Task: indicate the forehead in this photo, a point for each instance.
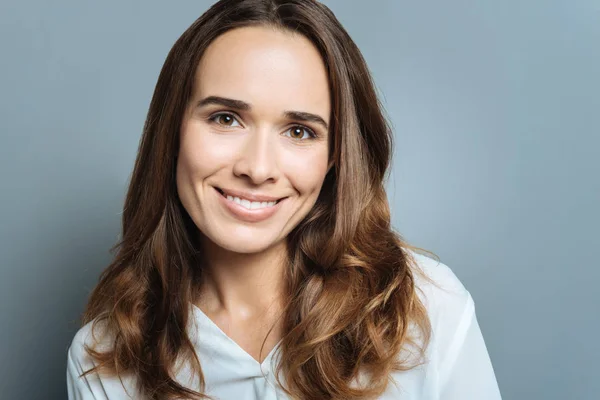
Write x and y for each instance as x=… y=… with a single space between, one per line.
x=266 y=67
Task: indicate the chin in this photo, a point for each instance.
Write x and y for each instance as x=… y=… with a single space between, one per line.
x=244 y=242
x=245 y=247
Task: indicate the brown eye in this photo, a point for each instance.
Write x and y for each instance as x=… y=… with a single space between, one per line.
x=225 y=119
x=299 y=132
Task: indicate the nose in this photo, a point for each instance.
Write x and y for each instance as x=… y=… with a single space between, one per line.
x=257 y=159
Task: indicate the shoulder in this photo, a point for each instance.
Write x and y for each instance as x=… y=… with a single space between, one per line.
x=438 y=285
x=96 y=384
x=460 y=364
x=93 y=335
x=449 y=304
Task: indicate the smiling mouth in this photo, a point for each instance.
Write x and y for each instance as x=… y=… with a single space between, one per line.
x=239 y=199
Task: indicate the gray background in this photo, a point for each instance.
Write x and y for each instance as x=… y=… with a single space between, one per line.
x=495 y=105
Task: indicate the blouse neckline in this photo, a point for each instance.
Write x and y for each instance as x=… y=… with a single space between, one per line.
x=231 y=345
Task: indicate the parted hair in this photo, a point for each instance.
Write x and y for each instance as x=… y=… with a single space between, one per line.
x=351 y=298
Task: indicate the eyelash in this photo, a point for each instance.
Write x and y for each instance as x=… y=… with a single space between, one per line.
x=214 y=117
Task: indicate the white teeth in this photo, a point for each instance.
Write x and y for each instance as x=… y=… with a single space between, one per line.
x=251 y=205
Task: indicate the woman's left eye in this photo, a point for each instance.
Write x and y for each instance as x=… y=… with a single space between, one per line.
x=299 y=132
x=225 y=119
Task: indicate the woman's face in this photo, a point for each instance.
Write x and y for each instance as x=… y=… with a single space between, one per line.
x=254 y=140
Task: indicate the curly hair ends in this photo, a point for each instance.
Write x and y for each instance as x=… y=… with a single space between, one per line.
x=352 y=306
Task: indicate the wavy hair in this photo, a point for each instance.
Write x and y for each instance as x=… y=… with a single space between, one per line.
x=350 y=283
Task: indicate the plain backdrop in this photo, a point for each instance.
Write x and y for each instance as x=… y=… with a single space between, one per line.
x=496 y=111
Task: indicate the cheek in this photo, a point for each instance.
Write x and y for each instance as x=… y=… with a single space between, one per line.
x=202 y=153
x=306 y=169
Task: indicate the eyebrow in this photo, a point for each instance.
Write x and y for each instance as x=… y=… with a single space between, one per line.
x=243 y=106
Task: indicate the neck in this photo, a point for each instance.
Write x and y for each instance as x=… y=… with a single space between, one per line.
x=242 y=286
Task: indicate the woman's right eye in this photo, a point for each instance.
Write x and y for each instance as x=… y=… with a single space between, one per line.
x=225 y=119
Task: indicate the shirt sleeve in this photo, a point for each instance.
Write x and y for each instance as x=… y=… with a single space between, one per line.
x=78 y=388
x=95 y=385
x=467 y=371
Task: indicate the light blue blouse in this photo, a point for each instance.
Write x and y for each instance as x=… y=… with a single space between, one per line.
x=458 y=367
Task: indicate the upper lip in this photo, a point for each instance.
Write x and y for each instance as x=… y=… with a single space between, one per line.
x=248 y=195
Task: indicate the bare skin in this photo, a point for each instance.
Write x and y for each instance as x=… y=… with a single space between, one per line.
x=256 y=148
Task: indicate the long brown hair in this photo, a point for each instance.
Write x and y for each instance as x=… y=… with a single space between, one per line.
x=351 y=293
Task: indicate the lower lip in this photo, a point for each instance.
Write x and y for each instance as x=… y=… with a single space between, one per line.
x=242 y=213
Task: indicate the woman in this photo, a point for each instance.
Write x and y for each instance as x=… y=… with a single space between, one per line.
x=257 y=259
